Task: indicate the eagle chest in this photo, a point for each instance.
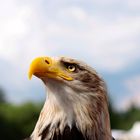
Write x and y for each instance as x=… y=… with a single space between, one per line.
x=68 y=134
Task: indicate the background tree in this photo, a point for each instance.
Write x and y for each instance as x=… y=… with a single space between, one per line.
x=2 y=96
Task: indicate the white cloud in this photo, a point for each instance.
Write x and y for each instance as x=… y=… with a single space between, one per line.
x=28 y=31
x=12 y=27
x=103 y=40
x=75 y=13
x=133 y=93
x=134 y=5
x=133 y=85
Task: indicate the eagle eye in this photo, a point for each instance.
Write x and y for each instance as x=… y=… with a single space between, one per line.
x=71 y=67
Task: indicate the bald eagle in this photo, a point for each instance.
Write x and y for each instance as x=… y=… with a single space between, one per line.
x=76 y=105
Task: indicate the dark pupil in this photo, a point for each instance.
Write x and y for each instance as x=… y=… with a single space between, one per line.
x=71 y=67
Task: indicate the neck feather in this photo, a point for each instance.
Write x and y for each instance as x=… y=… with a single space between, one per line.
x=65 y=107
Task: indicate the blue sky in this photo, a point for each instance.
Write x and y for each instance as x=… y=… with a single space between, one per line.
x=104 y=34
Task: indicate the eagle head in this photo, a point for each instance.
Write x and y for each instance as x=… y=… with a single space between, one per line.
x=76 y=105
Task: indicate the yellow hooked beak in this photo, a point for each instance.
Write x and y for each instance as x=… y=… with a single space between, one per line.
x=47 y=67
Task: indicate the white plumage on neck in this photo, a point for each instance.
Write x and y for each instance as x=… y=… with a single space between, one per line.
x=62 y=103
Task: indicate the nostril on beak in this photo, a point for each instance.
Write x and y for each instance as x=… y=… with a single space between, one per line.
x=47 y=61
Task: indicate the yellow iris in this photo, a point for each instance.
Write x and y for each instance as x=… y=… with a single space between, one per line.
x=71 y=68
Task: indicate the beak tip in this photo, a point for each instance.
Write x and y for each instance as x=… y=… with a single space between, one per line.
x=30 y=76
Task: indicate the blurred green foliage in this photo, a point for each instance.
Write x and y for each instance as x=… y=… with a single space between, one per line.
x=2 y=97
x=124 y=120
x=18 y=121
